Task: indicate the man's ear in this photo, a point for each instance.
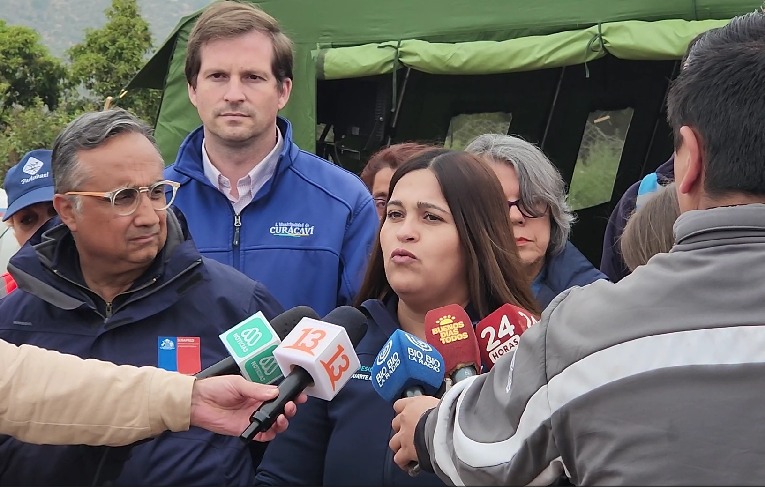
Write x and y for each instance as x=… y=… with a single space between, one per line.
x=64 y=206
x=692 y=160
x=192 y=94
x=284 y=93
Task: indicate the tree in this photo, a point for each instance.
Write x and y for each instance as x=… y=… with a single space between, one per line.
x=34 y=126
x=28 y=72
x=110 y=56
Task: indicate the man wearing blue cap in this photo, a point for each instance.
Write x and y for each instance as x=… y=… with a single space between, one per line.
x=29 y=186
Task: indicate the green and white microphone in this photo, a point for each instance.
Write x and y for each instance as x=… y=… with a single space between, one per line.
x=251 y=345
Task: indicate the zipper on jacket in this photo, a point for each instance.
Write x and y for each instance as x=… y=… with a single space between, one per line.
x=237 y=226
x=108 y=309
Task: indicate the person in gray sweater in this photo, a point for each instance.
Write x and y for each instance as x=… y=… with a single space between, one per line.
x=657 y=379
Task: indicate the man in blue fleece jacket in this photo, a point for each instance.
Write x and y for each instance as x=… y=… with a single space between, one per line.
x=253 y=200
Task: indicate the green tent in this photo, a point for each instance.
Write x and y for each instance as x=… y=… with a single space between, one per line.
x=584 y=79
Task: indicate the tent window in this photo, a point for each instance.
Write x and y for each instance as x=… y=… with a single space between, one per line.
x=598 y=160
x=466 y=126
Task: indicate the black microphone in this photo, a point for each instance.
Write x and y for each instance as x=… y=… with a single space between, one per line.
x=318 y=357
x=251 y=344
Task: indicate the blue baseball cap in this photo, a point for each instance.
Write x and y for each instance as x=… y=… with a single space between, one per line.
x=29 y=182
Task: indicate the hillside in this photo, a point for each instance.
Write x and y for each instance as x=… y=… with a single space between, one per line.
x=62 y=23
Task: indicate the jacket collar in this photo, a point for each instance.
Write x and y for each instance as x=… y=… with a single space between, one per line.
x=722 y=224
x=189 y=160
x=49 y=268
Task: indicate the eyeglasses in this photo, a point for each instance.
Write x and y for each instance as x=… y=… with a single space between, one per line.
x=126 y=200
x=536 y=211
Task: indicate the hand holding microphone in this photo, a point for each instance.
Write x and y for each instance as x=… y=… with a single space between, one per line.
x=407 y=367
x=316 y=356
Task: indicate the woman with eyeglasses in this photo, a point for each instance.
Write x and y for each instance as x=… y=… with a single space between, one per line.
x=438 y=244
x=540 y=215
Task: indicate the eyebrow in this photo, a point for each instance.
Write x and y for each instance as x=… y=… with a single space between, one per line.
x=421 y=205
x=246 y=71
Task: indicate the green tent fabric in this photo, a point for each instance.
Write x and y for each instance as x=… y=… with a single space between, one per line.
x=337 y=39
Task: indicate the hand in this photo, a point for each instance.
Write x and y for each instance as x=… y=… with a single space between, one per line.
x=224 y=405
x=409 y=411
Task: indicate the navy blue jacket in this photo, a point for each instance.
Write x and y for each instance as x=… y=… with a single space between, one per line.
x=181 y=294
x=306 y=235
x=611 y=261
x=563 y=271
x=344 y=441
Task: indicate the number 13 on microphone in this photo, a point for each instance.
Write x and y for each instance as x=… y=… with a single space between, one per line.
x=322 y=349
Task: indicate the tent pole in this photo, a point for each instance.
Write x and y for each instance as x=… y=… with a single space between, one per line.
x=397 y=109
x=552 y=107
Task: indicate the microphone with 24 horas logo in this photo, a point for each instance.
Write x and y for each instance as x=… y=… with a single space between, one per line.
x=251 y=345
x=317 y=357
x=500 y=332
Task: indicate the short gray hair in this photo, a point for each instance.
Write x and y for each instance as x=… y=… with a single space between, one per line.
x=538 y=178
x=88 y=131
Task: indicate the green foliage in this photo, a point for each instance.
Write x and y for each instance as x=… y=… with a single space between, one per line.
x=32 y=127
x=595 y=174
x=39 y=96
x=27 y=70
x=110 y=56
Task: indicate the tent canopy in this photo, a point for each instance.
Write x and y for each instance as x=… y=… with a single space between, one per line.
x=344 y=38
x=559 y=73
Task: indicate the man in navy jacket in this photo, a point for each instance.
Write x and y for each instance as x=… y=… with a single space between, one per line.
x=120 y=280
x=253 y=199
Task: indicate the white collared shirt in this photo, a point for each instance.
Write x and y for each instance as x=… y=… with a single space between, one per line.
x=249 y=185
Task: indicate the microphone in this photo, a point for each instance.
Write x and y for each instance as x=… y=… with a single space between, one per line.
x=405 y=367
x=317 y=357
x=251 y=345
x=500 y=332
x=449 y=330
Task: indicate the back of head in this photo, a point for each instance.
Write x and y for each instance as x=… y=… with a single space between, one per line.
x=226 y=19
x=649 y=231
x=719 y=96
x=29 y=182
x=479 y=209
x=392 y=156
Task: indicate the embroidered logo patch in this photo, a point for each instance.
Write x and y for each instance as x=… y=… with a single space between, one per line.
x=179 y=354
x=291 y=229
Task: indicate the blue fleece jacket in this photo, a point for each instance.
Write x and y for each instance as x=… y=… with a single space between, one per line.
x=568 y=269
x=180 y=295
x=306 y=235
x=344 y=441
x=611 y=261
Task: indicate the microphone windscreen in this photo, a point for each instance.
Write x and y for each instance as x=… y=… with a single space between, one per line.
x=285 y=322
x=450 y=331
x=500 y=332
x=350 y=318
x=406 y=364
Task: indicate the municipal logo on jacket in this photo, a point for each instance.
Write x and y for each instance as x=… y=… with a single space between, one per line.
x=179 y=354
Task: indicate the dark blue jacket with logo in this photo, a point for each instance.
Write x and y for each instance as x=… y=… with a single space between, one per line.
x=306 y=235
x=180 y=295
x=344 y=441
